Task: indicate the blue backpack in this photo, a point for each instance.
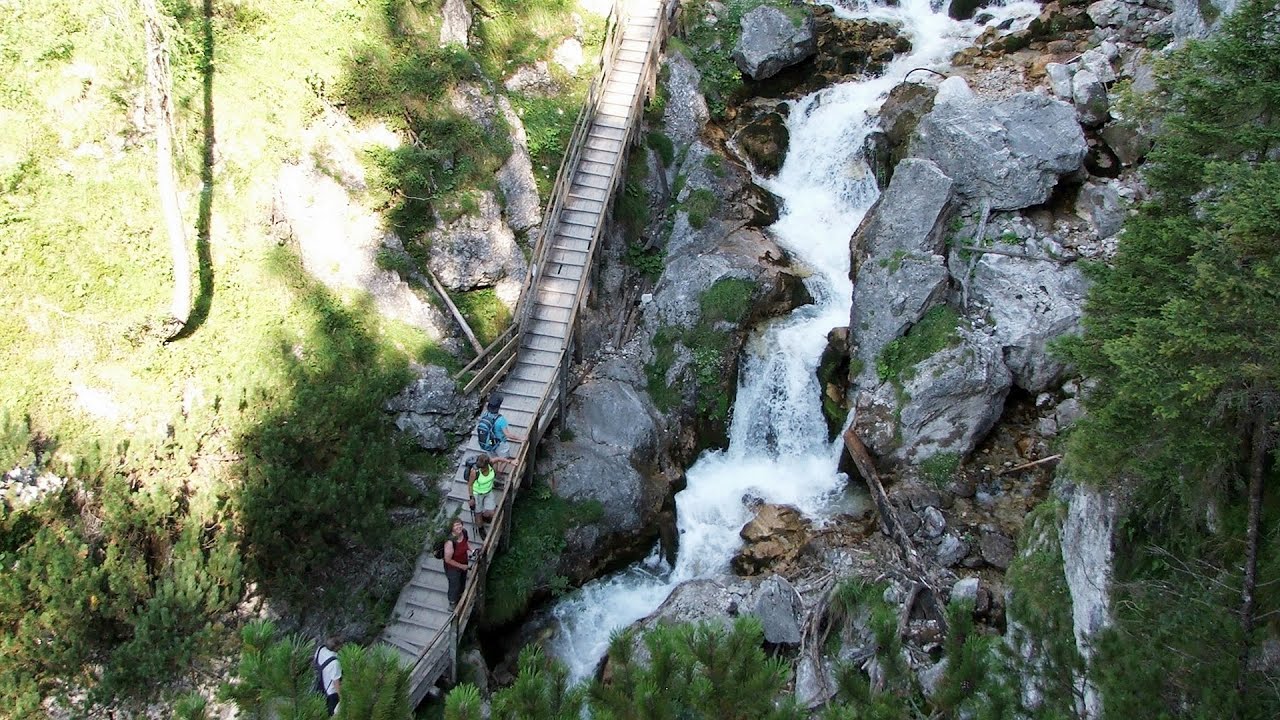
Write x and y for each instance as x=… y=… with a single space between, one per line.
x=485 y=435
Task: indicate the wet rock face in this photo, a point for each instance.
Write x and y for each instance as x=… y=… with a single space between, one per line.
x=764 y=142
x=773 y=39
x=899 y=115
x=856 y=47
x=1011 y=152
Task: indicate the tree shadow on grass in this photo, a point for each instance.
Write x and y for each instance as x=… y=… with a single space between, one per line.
x=203 y=302
x=322 y=461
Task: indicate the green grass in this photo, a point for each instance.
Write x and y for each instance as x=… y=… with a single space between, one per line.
x=728 y=300
x=484 y=312
x=662 y=144
x=632 y=208
x=548 y=125
x=940 y=469
x=934 y=332
x=700 y=204
x=255 y=449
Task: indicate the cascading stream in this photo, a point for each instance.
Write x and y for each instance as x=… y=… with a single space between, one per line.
x=778 y=449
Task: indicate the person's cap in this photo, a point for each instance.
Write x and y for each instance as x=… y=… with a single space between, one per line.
x=495 y=401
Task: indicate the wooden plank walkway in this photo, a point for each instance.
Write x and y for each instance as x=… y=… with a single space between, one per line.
x=422 y=628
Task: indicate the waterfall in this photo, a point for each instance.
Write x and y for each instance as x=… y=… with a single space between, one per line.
x=826 y=187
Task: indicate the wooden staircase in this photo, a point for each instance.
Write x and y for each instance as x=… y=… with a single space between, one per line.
x=528 y=364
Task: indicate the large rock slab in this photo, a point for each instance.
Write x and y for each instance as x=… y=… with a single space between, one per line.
x=455 y=22
x=773 y=39
x=1030 y=302
x=953 y=398
x=521 y=203
x=1010 y=151
x=686 y=111
x=898 y=268
x=432 y=411
x=1087 y=542
x=780 y=610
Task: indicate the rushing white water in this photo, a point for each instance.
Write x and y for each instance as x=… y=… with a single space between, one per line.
x=778 y=449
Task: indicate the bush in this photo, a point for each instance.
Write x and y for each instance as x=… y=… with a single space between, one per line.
x=700 y=204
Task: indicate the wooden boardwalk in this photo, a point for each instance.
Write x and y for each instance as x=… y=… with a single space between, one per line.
x=528 y=365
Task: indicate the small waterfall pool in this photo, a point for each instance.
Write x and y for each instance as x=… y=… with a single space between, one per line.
x=826 y=187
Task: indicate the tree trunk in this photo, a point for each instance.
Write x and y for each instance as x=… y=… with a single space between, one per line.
x=160 y=110
x=1257 y=461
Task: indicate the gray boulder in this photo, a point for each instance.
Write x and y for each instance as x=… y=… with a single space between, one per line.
x=773 y=39
x=1030 y=302
x=965 y=590
x=455 y=22
x=996 y=548
x=934 y=522
x=686 y=111
x=899 y=271
x=1059 y=80
x=1103 y=205
x=431 y=410
x=521 y=204
x=1199 y=18
x=951 y=402
x=780 y=611
x=1090 y=97
x=478 y=251
x=951 y=550
x=931 y=678
x=1109 y=13
x=712 y=599
x=1010 y=151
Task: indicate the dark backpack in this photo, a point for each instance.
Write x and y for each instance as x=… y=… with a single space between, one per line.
x=485 y=434
x=315 y=662
x=440 y=547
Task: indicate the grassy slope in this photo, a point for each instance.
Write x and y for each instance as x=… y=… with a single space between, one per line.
x=273 y=402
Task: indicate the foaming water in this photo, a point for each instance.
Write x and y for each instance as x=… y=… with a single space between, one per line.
x=778 y=449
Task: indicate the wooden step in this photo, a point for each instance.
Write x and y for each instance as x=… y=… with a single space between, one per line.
x=559 y=285
x=565 y=271
x=546 y=296
x=590 y=193
x=398 y=642
x=599 y=182
x=632 y=55
x=542 y=342
x=607 y=144
x=569 y=257
x=607 y=132
x=567 y=243
x=549 y=328
x=604 y=170
x=550 y=312
x=577 y=232
x=536 y=373
x=577 y=217
x=529 y=388
x=614 y=109
x=607 y=122
x=541 y=358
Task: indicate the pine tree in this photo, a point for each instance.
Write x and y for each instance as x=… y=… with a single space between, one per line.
x=1181 y=334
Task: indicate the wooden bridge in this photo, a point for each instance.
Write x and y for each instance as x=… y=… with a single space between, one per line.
x=529 y=363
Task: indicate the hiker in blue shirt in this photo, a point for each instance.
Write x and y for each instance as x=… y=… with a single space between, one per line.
x=493 y=434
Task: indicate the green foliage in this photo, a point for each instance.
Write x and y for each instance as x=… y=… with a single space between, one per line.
x=463 y=703
x=934 y=332
x=632 y=208
x=700 y=204
x=375 y=684
x=525 y=569
x=728 y=300
x=714 y=163
x=485 y=313
x=938 y=470
x=1179 y=333
x=548 y=124
x=662 y=144
x=649 y=262
x=541 y=690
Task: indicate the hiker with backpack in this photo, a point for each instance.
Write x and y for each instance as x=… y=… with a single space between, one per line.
x=493 y=435
x=456 y=556
x=483 y=500
x=328 y=672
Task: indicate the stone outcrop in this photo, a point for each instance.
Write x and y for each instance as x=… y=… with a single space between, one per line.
x=1029 y=303
x=1011 y=152
x=610 y=460
x=771 y=540
x=478 y=251
x=316 y=208
x=764 y=142
x=773 y=39
x=898 y=268
x=455 y=22
x=431 y=411
x=780 y=610
x=953 y=398
x=1087 y=543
